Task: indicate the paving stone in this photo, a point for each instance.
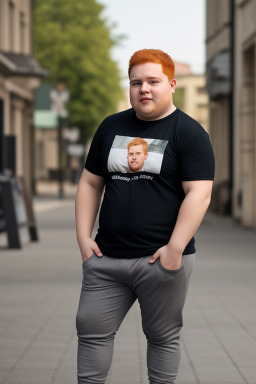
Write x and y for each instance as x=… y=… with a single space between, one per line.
x=39 y=293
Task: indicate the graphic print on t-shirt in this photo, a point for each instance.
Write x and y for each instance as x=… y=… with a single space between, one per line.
x=136 y=154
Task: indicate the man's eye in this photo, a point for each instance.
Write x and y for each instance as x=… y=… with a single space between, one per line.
x=137 y=83
x=154 y=81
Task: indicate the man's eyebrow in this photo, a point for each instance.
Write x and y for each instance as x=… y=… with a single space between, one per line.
x=150 y=77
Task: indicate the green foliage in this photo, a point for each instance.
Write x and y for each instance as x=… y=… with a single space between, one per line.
x=178 y=98
x=74 y=43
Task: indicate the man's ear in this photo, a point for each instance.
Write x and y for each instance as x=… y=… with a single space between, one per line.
x=173 y=84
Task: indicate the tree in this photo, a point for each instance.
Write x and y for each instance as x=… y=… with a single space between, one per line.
x=178 y=98
x=74 y=43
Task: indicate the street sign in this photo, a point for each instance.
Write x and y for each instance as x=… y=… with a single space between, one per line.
x=46 y=119
x=59 y=97
x=71 y=134
x=75 y=150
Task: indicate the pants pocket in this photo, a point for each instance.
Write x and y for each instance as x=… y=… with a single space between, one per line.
x=170 y=271
x=88 y=260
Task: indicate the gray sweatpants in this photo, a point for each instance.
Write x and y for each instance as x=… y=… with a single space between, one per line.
x=109 y=289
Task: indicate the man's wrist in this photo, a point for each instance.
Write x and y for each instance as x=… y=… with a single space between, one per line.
x=83 y=236
x=83 y=241
x=175 y=248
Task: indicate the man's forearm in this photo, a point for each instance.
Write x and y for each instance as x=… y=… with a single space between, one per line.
x=88 y=200
x=191 y=213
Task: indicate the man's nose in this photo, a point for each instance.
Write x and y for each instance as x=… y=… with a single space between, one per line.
x=144 y=87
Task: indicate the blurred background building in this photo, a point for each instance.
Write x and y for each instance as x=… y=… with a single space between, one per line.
x=193 y=94
x=230 y=49
x=46 y=136
x=20 y=75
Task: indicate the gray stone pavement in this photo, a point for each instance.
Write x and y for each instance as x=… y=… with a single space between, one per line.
x=40 y=288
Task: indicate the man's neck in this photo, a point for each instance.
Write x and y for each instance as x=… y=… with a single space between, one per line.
x=169 y=112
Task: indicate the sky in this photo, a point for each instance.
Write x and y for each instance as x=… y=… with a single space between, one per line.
x=175 y=26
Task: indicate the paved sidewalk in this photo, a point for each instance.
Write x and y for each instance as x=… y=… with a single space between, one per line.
x=39 y=293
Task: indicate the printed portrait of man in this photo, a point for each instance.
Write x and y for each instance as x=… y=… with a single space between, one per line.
x=137 y=154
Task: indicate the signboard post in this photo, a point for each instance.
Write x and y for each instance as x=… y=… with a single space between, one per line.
x=59 y=97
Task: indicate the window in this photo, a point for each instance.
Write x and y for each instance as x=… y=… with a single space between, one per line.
x=11 y=25
x=201 y=90
x=22 y=32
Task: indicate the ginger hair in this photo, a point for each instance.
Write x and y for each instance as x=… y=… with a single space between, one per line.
x=153 y=56
x=138 y=141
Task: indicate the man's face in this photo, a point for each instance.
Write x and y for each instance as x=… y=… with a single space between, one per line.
x=136 y=157
x=151 y=91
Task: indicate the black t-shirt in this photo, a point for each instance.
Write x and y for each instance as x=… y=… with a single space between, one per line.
x=143 y=192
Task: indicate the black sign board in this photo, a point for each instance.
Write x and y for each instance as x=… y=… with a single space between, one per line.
x=15 y=210
x=9 y=216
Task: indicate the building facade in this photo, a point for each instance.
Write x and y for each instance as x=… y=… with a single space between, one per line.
x=231 y=77
x=20 y=75
x=194 y=97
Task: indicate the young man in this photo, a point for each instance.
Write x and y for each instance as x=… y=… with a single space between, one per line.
x=145 y=247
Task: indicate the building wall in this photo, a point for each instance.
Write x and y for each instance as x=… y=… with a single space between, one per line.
x=15 y=26
x=217 y=26
x=46 y=154
x=219 y=118
x=244 y=192
x=17 y=92
x=218 y=35
x=243 y=145
x=196 y=102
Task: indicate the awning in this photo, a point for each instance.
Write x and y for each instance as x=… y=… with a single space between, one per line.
x=20 y=64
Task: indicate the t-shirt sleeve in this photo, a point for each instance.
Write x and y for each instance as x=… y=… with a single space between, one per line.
x=197 y=159
x=94 y=163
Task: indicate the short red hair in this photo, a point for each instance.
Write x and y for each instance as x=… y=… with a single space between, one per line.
x=153 y=56
x=138 y=141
